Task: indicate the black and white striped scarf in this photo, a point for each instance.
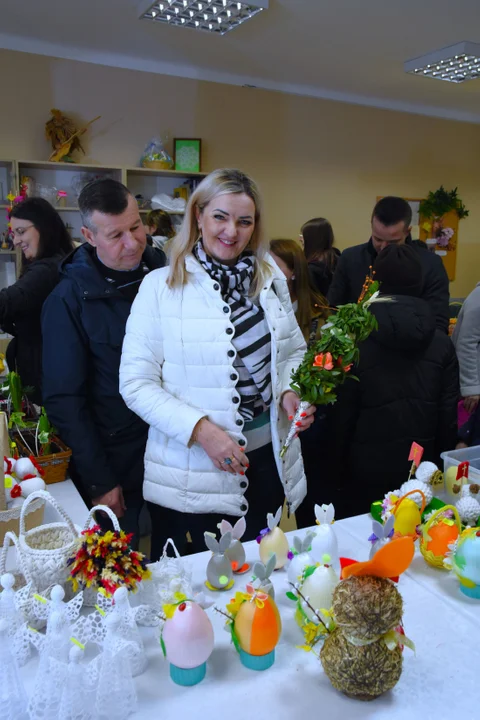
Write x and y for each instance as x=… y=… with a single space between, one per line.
x=252 y=336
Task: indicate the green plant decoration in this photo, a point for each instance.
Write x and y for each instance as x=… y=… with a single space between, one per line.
x=441 y=202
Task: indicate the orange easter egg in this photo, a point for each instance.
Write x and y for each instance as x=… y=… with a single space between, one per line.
x=258 y=626
x=442 y=535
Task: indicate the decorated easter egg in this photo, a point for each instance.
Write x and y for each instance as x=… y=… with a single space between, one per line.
x=24 y=466
x=318 y=588
x=439 y=534
x=32 y=485
x=325 y=543
x=407 y=518
x=188 y=636
x=258 y=626
x=466 y=562
x=274 y=542
x=451 y=481
x=297 y=566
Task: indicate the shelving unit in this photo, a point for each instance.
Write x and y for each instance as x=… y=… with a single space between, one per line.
x=70 y=177
x=10 y=260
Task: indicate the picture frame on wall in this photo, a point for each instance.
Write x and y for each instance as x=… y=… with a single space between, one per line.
x=187 y=154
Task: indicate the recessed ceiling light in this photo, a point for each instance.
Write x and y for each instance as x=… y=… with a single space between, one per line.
x=192 y=13
x=456 y=63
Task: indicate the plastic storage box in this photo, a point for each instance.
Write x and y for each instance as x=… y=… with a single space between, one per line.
x=470 y=454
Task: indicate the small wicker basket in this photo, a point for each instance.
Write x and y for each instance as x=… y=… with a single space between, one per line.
x=54 y=465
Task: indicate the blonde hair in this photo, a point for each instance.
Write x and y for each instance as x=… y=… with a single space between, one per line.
x=219 y=182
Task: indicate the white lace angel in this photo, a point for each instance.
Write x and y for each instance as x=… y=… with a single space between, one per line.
x=113 y=674
x=77 y=680
x=53 y=647
x=13 y=699
x=12 y=605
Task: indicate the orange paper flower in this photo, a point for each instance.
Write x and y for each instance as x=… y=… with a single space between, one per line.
x=324 y=360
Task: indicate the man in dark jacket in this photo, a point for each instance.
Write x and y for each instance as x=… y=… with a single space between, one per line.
x=408 y=389
x=391 y=220
x=83 y=329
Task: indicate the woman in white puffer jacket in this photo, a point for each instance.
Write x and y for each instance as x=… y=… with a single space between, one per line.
x=210 y=346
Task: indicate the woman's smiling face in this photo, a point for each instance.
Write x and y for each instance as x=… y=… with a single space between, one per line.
x=227 y=224
x=25 y=236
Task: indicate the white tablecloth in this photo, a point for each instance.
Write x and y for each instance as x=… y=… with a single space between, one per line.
x=439 y=682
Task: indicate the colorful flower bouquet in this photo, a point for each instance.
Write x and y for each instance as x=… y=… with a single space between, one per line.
x=327 y=364
x=104 y=561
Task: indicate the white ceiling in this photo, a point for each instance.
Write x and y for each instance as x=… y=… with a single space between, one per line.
x=348 y=50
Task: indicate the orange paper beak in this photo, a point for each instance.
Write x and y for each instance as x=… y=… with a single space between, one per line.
x=389 y=562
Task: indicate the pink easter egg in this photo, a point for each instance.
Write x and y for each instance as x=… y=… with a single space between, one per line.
x=188 y=636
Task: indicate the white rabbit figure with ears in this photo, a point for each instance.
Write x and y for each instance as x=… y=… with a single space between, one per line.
x=263 y=572
x=273 y=540
x=236 y=552
x=219 y=569
x=302 y=558
x=381 y=534
x=325 y=541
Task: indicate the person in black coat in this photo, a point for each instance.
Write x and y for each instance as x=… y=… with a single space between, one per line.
x=84 y=323
x=44 y=240
x=391 y=220
x=322 y=256
x=408 y=389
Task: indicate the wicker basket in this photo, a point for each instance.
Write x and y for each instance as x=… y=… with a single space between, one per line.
x=54 y=465
x=157 y=164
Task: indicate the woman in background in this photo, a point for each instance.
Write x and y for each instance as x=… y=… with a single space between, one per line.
x=311 y=312
x=39 y=231
x=308 y=304
x=159 y=226
x=322 y=256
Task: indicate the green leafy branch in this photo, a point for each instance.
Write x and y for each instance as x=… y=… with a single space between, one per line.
x=317 y=383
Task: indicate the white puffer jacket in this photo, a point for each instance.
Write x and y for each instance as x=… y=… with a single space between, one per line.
x=177 y=367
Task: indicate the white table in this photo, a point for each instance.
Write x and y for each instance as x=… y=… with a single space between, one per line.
x=439 y=682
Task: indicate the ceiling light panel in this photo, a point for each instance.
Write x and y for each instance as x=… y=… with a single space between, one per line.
x=457 y=63
x=214 y=16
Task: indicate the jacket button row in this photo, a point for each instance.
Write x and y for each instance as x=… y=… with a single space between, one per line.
x=241 y=441
x=236 y=400
x=243 y=484
x=216 y=286
x=233 y=377
x=229 y=331
x=239 y=422
x=243 y=508
x=231 y=353
x=226 y=309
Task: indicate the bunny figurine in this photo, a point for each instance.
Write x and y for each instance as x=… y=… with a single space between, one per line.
x=219 y=569
x=301 y=557
x=273 y=540
x=381 y=534
x=325 y=541
x=235 y=553
x=263 y=572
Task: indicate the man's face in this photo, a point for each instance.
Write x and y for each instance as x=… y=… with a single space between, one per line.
x=120 y=240
x=391 y=235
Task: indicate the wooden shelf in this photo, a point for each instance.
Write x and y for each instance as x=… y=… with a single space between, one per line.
x=47 y=165
x=58 y=208
x=8 y=252
x=139 y=171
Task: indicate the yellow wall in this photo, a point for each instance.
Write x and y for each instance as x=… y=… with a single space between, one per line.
x=311 y=157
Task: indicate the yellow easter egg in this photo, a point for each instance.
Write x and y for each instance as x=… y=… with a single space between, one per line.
x=407 y=517
x=258 y=626
x=274 y=542
x=451 y=480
